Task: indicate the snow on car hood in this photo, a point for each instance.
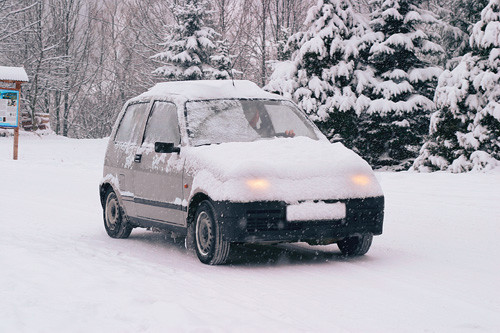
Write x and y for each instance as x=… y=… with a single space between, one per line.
x=282 y=169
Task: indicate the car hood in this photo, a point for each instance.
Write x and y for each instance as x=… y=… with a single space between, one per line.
x=282 y=169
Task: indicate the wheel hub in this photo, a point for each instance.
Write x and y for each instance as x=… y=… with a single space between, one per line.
x=204 y=233
x=111 y=212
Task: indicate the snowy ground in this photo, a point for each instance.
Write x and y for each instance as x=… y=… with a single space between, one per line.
x=435 y=268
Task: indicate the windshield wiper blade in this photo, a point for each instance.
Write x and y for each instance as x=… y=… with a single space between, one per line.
x=208 y=144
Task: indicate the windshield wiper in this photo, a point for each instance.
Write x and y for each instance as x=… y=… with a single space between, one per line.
x=208 y=144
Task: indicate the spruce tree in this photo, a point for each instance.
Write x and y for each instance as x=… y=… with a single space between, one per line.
x=453 y=30
x=321 y=76
x=393 y=127
x=465 y=131
x=192 y=51
x=221 y=61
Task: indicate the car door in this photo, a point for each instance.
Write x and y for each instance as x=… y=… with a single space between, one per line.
x=158 y=183
x=121 y=150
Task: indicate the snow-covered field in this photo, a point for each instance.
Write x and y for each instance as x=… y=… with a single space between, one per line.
x=435 y=268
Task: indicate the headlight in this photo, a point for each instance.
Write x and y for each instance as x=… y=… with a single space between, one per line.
x=258 y=184
x=361 y=180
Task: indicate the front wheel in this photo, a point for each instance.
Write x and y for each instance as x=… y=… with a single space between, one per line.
x=115 y=222
x=355 y=245
x=210 y=247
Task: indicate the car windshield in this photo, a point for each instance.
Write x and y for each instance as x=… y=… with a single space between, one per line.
x=218 y=121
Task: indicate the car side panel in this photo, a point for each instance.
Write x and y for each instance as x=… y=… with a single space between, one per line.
x=158 y=188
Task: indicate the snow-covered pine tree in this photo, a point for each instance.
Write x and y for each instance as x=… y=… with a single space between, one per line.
x=191 y=50
x=393 y=126
x=321 y=74
x=465 y=131
x=454 y=27
x=221 y=61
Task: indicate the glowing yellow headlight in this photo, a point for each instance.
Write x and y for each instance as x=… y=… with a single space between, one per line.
x=258 y=184
x=360 y=180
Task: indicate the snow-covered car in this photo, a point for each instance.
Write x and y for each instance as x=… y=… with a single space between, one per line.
x=223 y=162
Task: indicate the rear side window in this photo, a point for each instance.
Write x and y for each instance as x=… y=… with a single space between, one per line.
x=162 y=125
x=130 y=125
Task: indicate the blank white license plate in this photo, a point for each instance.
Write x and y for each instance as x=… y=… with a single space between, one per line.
x=315 y=211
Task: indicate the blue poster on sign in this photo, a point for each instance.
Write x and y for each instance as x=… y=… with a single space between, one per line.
x=9 y=108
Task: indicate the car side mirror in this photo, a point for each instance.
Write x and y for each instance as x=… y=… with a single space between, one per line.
x=166 y=147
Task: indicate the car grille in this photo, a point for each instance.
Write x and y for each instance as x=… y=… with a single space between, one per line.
x=359 y=212
x=265 y=219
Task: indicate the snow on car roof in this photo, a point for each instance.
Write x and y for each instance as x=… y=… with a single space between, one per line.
x=209 y=89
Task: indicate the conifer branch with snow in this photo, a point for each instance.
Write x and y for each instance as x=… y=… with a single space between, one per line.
x=192 y=50
x=401 y=84
x=369 y=84
x=465 y=131
x=321 y=76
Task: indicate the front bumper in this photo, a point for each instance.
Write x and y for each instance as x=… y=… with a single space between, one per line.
x=266 y=221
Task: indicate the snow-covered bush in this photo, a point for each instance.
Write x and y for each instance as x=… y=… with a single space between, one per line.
x=465 y=131
x=192 y=49
x=321 y=76
x=401 y=85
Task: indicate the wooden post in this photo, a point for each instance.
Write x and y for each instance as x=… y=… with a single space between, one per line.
x=16 y=129
x=16 y=141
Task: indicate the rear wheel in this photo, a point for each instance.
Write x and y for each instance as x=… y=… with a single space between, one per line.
x=115 y=223
x=355 y=245
x=210 y=247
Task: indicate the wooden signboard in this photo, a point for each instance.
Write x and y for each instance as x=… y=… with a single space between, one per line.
x=11 y=79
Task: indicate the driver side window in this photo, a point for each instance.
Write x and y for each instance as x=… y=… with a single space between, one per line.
x=162 y=125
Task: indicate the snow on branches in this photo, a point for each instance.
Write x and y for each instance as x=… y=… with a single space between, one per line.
x=402 y=83
x=321 y=74
x=465 y=131
x=369 y=84
x=192 y=51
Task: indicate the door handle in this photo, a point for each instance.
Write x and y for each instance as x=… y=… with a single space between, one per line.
x=138 y=158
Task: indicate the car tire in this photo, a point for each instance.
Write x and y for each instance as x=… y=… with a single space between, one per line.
x=210 y=248
x=115 y=222
x=355 y=245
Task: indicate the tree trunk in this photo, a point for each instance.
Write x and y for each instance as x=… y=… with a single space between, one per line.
x=66 y=114
x=263 y=43
x=57 y=102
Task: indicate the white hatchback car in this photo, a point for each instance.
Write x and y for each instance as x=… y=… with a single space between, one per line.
x=225 y=162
